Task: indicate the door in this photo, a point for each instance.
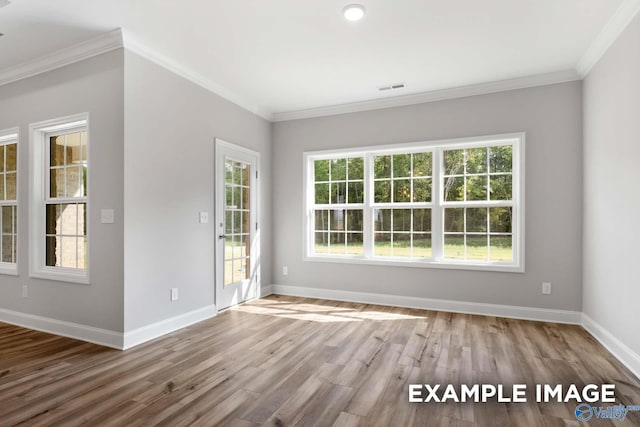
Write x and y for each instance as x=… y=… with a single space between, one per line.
x=238 y=240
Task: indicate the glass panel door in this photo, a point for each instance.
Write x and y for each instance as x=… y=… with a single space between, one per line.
x=238 y=237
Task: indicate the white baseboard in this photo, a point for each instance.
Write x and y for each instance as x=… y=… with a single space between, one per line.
x=163 y=327
x=77 y=331
x=620 y=350
x=266 y=291
x=515 y=312
x=105 y=337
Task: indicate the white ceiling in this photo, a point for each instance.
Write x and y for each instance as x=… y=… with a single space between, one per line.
x=289 y=55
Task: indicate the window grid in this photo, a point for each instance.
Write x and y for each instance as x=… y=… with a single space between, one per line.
x=342 y=232
x=488 y=202
x=399 y=239
x=330 y=223
x=394 y=180
x=411 y=233
x=464 y=233
x=8 y=199
x=349 y=184
x=237 y=221
x=66 y=208
x=498 y=248
x=467 y=176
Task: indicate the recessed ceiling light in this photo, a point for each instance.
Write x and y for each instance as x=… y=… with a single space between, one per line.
x=353 y=12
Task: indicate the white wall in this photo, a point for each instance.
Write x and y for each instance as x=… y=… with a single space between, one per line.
x=170 y=125
x=611 y=195
x=95 y=86
x=551 y=116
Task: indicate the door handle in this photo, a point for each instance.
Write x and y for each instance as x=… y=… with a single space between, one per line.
x=222 y=236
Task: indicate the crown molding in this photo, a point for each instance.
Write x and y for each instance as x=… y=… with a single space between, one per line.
x=611 y=31
x=117 y=39
x=96 y=46
x=431 y=96
x=132 y=45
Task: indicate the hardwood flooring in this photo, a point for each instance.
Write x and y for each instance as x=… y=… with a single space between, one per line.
x=288 y=361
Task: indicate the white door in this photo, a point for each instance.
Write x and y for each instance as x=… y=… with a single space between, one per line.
x=237 y=235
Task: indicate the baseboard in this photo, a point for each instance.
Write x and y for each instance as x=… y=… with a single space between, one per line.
x=620 y=350
x=510 y=311
x=105 y=337
x=266 y=291
x=77 y=331
x=163 y=327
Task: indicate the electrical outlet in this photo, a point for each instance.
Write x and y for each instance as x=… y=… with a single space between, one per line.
x=285 y=271
x=25 y=291
x=546 y=288
x=204 y=217
x=174 y=294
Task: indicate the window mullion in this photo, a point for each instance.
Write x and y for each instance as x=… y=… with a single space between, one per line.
x=437 y=213
x=367 y=215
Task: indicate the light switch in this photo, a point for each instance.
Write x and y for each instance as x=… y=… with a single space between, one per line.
x=204 y=217
x=107 y=216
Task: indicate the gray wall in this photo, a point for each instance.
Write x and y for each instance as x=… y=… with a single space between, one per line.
x=95 y=86
x=611 y=197
x=552 y=118
x=170 y=125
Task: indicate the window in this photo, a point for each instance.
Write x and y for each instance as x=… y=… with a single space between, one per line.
x=449 y=204
x=339 y=203
x=8 y=201
x=60 y=205
x=402 y=185
x=478 y=203
x=66 y=201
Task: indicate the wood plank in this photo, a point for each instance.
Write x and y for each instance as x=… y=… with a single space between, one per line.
x=296 y=361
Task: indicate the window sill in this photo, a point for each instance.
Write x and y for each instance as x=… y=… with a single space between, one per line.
x=8 y=269
x=392 y=262
x=61 y=275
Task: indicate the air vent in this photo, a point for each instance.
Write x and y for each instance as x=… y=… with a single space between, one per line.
x=392 y=87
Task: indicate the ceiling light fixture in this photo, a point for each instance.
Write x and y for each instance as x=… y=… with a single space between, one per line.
x=353 y=12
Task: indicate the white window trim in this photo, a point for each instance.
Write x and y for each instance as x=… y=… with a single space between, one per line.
x=39 y=172
x=518 y=203
x=8 y=136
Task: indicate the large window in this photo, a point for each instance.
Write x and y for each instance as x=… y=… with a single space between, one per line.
x=453 y=204
x=60 y=199
x=8 y=201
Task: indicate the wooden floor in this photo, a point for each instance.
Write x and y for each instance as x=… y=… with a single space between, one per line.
x=291 y=361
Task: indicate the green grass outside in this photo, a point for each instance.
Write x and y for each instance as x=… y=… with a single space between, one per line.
x=500 y=250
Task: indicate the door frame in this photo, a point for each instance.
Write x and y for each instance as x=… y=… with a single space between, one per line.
x=254 y=285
